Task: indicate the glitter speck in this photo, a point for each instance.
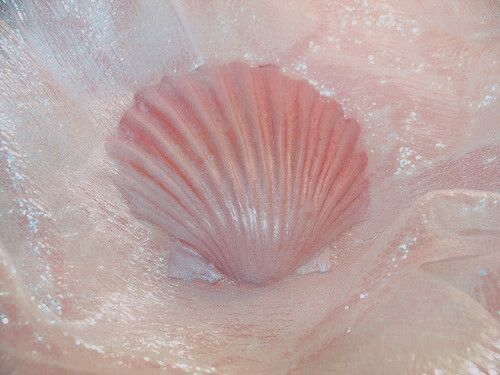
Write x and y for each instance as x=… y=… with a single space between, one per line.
x=406 y=165
x=5 y=320
x=301 y=66
x=327 y=92
x=487 y=100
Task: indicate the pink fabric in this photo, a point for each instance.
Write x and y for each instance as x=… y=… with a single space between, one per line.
x=411 y=288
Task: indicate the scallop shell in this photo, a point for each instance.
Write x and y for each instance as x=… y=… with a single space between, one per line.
x=248 y=168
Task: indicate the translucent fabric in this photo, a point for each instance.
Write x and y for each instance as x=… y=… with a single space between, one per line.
x=412 y=288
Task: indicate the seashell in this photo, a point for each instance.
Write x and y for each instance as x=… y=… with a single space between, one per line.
x=251 y=170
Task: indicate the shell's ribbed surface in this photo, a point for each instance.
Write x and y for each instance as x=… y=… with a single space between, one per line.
x=252 y=170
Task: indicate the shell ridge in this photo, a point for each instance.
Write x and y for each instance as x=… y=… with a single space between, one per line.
x=293 y=154
x=247 y=132
x=337 y=213
x=305 y=144
x=156 y=138
x=227 y=107
x=176 y=157
x=265 y=155
x=312 y=145
x=276 y=88
x=234 y=93
x=288 y=156
x=143 y=203
x=344 y=153
x=282 y=124
x=307 y=107
x=163 y=176
x=326 y=131
x=276 y=102
x=252 y=115
x=227 y=112
x=345 y=210
x=273 y=150
x=203 y=117
x=174 y=119
x=273 y=161
x=148 y=183
x=324 y=145
x=339 y=146
x=162 y=107
x=260 y=141
x=337 y=166
x=298 y=150
x=237 y=94
x=142 y=176
x=269 y=124
x=357 y=182
x=332 y=148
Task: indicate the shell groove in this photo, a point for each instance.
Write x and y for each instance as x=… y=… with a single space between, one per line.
x=250 y=169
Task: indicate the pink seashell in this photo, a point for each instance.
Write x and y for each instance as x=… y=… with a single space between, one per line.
x=250 y=169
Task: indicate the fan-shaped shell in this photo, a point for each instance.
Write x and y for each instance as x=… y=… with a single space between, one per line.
x=250 y=169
